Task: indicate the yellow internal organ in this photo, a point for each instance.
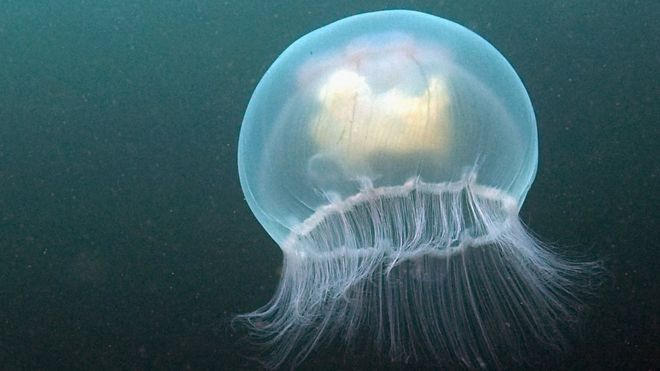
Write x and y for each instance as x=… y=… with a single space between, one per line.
x=355 y=122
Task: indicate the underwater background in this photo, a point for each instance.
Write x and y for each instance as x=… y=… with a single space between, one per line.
x=125 y=241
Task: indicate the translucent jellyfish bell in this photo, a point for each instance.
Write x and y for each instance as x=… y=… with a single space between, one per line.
x=388 y=154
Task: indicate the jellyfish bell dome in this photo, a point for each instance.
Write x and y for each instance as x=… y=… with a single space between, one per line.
x=388 y=155
x=380 y=100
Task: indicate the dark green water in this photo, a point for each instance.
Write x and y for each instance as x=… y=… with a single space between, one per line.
x=125 y=242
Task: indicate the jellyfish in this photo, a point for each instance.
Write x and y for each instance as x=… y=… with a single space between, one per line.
x=388 y=155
